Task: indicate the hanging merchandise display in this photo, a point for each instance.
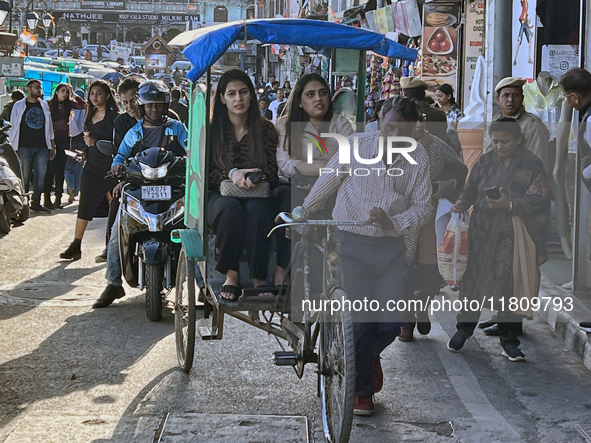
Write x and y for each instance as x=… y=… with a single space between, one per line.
x=373 y=81
x=524 y=38
x=440 y=44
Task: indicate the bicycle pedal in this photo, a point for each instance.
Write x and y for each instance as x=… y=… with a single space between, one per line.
x=285 y=358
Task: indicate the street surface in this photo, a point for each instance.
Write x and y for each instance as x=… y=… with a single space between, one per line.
x=71 y=374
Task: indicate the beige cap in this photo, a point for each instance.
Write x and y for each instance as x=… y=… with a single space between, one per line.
x=412 y=82
x=509 y=81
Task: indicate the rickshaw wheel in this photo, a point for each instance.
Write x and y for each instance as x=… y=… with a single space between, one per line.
x=337 y=371
x=184 y=312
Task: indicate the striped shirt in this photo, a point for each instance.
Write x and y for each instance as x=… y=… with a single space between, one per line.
x=406 y=199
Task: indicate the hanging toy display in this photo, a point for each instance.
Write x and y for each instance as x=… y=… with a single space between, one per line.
x=373 y=81
x=391 y=85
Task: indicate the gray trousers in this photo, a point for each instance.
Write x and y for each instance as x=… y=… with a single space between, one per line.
x=372 y=268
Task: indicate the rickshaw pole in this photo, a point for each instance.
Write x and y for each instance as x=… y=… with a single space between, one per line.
x=361 y=92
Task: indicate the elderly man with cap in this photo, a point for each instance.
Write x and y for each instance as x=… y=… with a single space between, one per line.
x=415 y=88
x=509 y=93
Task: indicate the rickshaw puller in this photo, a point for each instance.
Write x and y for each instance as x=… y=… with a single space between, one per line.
x=373 y=256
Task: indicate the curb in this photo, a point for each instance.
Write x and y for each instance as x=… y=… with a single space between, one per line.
x=566 y=323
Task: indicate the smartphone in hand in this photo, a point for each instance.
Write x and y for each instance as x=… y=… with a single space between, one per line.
x=494 y=193
x=254 y=177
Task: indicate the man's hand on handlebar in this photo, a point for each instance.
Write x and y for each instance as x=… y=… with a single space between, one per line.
x=379 y=216
x=240 y=180
x=118 y=170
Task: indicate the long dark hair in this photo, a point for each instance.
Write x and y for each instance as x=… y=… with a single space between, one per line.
x=112 y=105
x=54 y=102
x=296 y=114
x=222 y=133
x=448 y=90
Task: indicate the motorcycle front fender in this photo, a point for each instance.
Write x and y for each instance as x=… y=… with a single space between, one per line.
x=152 y=251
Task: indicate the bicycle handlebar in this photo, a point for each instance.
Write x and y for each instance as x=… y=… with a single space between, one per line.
x=288 y=221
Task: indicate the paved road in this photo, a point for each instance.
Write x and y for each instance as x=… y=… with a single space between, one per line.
x=71 y=374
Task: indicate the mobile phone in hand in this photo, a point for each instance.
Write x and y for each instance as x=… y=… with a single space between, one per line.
x=494 y=193
x=254 y=177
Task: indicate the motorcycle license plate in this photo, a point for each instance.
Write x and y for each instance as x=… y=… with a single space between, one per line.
x=156 y=193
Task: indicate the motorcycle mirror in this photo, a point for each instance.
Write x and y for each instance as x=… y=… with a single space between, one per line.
x=106 y=147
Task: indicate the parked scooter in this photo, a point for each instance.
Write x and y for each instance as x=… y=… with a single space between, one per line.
x=152 y=205
x=14 y=202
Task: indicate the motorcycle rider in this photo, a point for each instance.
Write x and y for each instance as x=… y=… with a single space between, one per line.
x=154 y=129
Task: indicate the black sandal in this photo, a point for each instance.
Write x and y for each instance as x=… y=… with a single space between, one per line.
x=230 y=289
x=266 y=291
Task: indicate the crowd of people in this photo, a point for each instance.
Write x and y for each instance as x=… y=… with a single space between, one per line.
x=259 y=134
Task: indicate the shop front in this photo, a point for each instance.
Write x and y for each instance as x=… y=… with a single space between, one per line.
x=100 y=27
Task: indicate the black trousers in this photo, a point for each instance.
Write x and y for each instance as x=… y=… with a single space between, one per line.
x=281 y=196
x=422 y=282
x=509 y=322
x=241 y=225
x=56 y=169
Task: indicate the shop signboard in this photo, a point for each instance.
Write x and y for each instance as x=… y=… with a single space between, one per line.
x=439 y=64
x=126 y=18
x=156 y=61
x=474 y=46
x=11 y=66
x=557 y=59
x=524 y=38
x=102 y=4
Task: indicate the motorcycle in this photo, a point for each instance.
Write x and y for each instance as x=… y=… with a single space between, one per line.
x=152 y=205
x=14 y=201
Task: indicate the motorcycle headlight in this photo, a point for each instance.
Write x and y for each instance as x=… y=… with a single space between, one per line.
x=154 y=173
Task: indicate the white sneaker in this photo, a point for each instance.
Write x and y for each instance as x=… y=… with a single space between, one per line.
x=568 y=285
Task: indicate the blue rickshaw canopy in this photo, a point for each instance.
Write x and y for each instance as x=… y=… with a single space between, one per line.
x=206 y=45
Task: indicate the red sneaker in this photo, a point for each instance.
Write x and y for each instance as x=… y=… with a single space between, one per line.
x=363 y=406
x=377 y=376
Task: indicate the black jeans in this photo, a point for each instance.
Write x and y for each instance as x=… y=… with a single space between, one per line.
x=56 y=169
x=241 y=224
x=372 y=268
x=281 y=196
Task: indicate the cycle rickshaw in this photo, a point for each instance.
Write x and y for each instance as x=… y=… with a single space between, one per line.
x=322 y=338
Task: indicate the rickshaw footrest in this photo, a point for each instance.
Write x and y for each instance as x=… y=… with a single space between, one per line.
x=206 y=333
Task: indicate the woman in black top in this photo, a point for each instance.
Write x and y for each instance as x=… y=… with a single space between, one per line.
x=242 y=142
x=95 y=190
